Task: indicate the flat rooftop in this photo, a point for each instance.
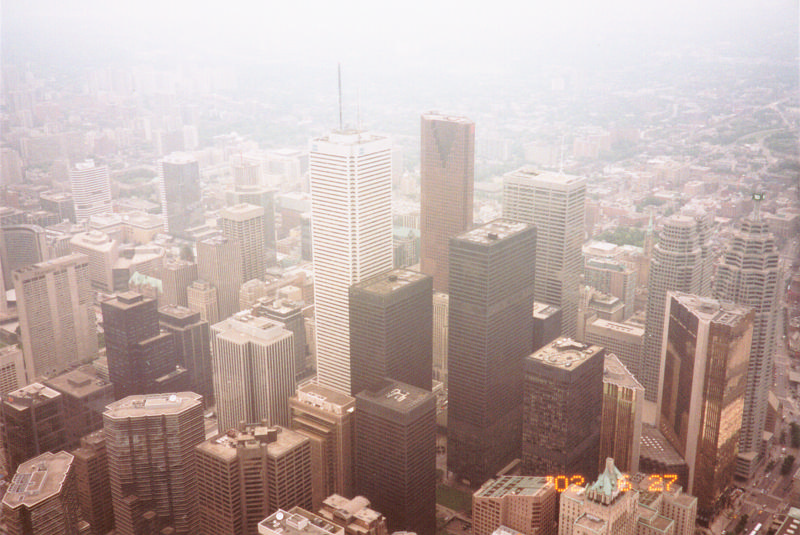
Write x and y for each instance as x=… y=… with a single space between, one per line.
x=543 y=310
x=177 y=311
x=391 y=281
x=347 y=509
x=396 y=396
x=30 y=395
x=536 y=176
x=499 y=229
x=80 y=382
x=436 y=116
x=152 y=405
x=243 y=327
x=323 y=397
x=297 y=522
x=590 y=523
x=278 y=440
x=617 y=327
x=516 y=486
x=38 y=479
x=713 y=310
x=565 y=353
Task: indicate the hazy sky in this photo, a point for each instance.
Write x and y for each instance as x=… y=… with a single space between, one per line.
x=377 y=32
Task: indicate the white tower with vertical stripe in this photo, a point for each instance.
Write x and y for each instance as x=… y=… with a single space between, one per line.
x=351 y=205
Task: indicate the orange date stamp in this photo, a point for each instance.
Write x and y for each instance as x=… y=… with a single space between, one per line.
x=653 y=482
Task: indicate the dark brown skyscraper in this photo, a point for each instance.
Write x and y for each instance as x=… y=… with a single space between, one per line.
x=391 y=325
x=491 y=333
x=448 y=171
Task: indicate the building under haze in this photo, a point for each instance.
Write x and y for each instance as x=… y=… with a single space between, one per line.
x=91 y=474
x=563 y=402
x=750 y=275
x=21 y=246
x=56 y=318
x=401 y=419
x=176 y=276
x=490 y=323
x=447 y=169
x=42 y=498
x=391 y=317
x=325 y=416
x=151 y=442
x=681 y=261
x=217 y=263
x=253 y=361
x=264 y=198
x=180 y=193
x=351 y=201
x=192 y=341
x=526 y=504
x=555 y=204
x=705 y=375
x=244 y=223
x=621 y=420
x=91 y=189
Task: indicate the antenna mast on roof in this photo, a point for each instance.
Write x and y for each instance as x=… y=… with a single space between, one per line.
x=561 y=159
x=358 y=109
x=340 y=96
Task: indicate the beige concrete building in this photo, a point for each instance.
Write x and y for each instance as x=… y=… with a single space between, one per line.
x=325 y=416
x=522 y=503
x=245 y=224
x=354 y=516
x=102 y=252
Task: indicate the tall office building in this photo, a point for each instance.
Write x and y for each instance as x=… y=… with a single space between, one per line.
x=91 y=474
x=325 y=416
x=42 y=498
x=555 y=204
x=33 y=423
x=56 y=318
x=525 y=504
x=91 y=189
x=253 y=363
x=150 y=441
x=85 y=396
x=192 y=339
x=351 y=203
x=401 y=419
x=447 y=168
x=707 y=346
x=750 y=275
x=180 y=193
x=245 y=172
x=246 y=473
x=264 y=198
x=623 y=339
x=391 y=323
x=141 y=358
x=176 y=276
x=216 y=264
x=621 y=420
x=290 y=313
x=12 y=369
x=203 y=298
x=681 y=261
x=491 y=299
x=613 y=277
x=21 y=246
x=244 y=223
x=103 y=253
x=563 y=402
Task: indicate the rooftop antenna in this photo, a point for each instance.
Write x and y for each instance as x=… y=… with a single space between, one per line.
x=561 y=159
x=340 y=96
x=757 y=198
x=358 y=109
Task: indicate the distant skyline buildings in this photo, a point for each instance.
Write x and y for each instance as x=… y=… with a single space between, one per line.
x=351 y=201
x=447 y=175
x=555 y=204
x=91 y=189
x=180 y=193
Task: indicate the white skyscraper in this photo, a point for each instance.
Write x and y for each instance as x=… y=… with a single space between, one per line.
x=750 y=275
x=556 y=204
x=351 y=203
x=91 y=189
x=254 y=376
x=56 y=318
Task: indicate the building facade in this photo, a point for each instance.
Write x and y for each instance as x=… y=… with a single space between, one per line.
x=244 y=223
x=216 y=266
x=176 y=276
x=192 y=340
x=522 y=503
x=253 y=363
x=180 y=193
x=351 y=203
x=447 y=176
x=91 y=189
x=391 y=327
x=491 y=299
x=555 y=204
x=150 y=441
x=621 y=419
